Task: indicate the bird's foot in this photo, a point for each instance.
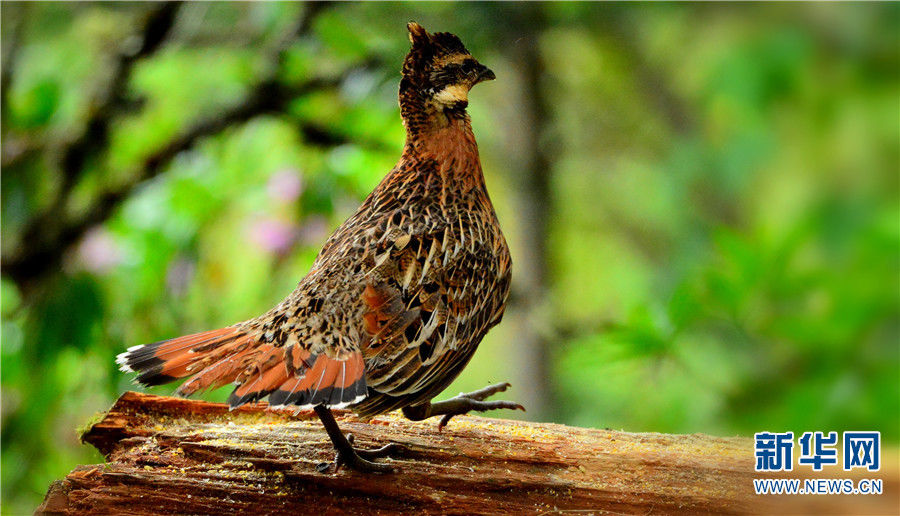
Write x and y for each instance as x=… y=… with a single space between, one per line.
x=462 y=404
x=347 y=455
x=361 y=460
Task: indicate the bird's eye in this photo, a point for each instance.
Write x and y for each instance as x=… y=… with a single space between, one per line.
x=452 y=70
x=449 y=74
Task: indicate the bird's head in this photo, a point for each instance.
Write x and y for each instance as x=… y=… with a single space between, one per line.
x=439 y=72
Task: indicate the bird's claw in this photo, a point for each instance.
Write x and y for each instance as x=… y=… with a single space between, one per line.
x=474 y=401
x=362 y=460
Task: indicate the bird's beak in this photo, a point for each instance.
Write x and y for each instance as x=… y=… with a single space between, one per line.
x=483 y=73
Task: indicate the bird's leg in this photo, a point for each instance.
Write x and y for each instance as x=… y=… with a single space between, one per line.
x=461 y=404
x=347 y=455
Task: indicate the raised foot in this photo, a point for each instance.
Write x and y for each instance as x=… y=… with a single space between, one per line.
x=462 y=404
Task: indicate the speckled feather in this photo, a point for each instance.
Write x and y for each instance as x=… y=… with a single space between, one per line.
x=400 y=295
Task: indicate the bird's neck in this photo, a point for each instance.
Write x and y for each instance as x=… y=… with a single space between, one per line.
x=425 y=120
x=446 y=148
x=439 y=163
x=440 y=148
x=445 y=136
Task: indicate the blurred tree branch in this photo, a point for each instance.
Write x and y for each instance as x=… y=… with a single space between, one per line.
x=534 y=204
x=49 y=234
x=619 y=27
x=10 y=55
x=95 y=137
x=155 y=29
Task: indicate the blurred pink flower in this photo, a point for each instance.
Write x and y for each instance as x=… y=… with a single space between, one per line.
x=98 y=251
x=286 y=185
x=314 y=231
x=273 y=235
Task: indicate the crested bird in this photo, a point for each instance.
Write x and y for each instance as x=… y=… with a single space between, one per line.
x=398 y=298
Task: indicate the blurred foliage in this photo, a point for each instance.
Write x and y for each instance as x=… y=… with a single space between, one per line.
x=724 y=221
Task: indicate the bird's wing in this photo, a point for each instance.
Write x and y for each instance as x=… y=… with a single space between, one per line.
x=429 y=300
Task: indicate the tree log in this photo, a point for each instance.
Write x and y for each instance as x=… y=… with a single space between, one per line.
x=170 y=455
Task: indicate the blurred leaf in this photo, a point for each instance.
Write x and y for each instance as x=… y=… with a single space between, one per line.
x=37 y=106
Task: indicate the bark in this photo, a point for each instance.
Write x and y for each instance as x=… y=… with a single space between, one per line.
x=170 y=455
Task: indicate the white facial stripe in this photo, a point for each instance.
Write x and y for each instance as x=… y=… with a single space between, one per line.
x=452 y=93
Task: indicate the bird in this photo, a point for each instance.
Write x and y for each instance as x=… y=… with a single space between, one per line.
x=400 y=295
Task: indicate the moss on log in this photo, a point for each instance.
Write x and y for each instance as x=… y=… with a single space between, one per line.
x=170 y=455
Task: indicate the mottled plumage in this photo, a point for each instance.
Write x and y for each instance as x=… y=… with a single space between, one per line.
x=399 y=296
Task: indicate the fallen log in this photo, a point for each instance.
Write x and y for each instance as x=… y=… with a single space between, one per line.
x=175 y=456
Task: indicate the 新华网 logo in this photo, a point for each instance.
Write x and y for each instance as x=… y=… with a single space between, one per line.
x=774 y=451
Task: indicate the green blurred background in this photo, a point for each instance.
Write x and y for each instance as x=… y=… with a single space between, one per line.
x=702 y=200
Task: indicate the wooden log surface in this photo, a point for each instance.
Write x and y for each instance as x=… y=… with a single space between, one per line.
x=175 y=456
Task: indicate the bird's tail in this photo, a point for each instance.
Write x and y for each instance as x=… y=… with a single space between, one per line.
x=288 y=375
x=214 y=358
